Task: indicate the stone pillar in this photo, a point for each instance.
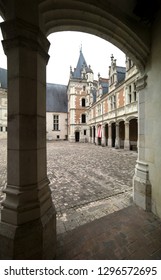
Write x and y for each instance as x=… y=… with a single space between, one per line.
x=93 y=134
x=103 y=136
x=28 y=218
x=96 y=135
x=127 y=140
x=141 y=183
x=117 y=141
x=109 y=135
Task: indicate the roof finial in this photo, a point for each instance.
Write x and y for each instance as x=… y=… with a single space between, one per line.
x=81 y=47
x=112 y=57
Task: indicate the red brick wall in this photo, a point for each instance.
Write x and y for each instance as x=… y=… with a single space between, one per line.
x=79 y=109
x=106 y=106
x=121 y=98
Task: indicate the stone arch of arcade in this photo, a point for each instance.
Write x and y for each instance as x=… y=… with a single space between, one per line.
x=131 y=124
x=28 y=207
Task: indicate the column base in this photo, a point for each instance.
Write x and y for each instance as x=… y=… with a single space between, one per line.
x=117 y=143
x=110 y=142
x=126 y=145
x=142 y=186
x=30 y=241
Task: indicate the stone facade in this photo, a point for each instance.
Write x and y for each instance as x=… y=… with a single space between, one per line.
x=56 y=109
x=61 y=132
x=80 y=85
x=56 y=112
x=109 y=106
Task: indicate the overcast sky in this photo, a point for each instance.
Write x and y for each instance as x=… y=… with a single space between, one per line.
x=64 y=52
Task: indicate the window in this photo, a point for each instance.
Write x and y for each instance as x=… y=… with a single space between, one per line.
x=84 y=88
x=83 y=118
x=85 y=132
x=55 y=122
x=83 y=102
x=58 y=137
x=1 y=128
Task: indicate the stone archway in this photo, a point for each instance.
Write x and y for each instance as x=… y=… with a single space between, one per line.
x=28 y=207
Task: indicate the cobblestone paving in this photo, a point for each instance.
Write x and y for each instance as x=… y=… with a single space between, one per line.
x=87 y=181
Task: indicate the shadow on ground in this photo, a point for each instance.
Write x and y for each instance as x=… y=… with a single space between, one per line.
x=130 y=233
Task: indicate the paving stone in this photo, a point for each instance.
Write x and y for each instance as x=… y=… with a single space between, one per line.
x=92 y=191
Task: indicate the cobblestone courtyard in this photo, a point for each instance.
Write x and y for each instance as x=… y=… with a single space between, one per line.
x=92 y=192
x=87 y=181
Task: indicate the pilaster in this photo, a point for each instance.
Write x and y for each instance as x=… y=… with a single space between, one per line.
x=141 y=183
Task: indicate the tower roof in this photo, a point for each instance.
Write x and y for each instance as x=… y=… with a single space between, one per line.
x=81 y=63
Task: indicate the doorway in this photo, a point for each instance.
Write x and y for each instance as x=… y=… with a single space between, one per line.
x=77 y=136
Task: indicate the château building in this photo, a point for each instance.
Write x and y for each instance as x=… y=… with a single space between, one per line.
x=103 y=112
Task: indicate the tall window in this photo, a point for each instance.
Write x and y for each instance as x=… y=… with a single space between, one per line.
x=83 y=102
x=55 y=122
x=83 y=118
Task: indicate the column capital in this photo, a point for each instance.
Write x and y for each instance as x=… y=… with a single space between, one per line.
x=141 y=83
x=19 y=33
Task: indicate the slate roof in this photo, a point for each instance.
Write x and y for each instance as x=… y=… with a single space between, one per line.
x=105 y=85
x=3 y=78
x=56 y=98
x=94 y=93
x=80 y=63
x=121 y=71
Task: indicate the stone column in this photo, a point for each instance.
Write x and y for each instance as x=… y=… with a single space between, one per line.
x=28 y=218
x=141 y=183
x=93 y=135
x=127 y=140
x=109 y=135
x=103 y=136
x=96 y=135
x=117 y=141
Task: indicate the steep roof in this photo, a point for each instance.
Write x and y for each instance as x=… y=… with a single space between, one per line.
x=79 y=67
x=56 y=98
x=121 y=71
x=105 y=84
x=3 y=78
